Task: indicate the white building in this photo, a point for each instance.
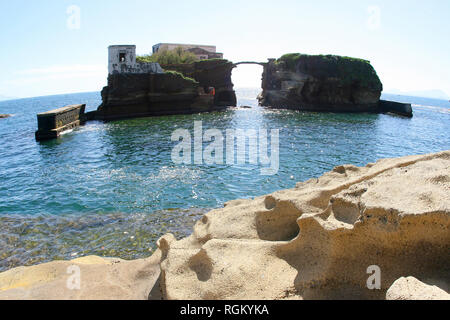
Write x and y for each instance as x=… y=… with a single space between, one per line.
x=122 y=59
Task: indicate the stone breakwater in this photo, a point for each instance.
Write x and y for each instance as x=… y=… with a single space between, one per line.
x=316 y=241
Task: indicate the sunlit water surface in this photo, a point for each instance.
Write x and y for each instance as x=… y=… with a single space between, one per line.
x=111 y=189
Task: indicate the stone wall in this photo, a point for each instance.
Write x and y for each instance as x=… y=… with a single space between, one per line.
x=52 y=123
x=402 y=109
x=173 y=46
x=122 y=59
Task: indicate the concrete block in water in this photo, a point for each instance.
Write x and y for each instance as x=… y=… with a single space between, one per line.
x=402 y=109
x=52 y=123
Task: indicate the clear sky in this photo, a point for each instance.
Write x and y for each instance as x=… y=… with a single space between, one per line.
x=44 y=50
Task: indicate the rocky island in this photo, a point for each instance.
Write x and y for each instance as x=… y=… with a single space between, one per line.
x=137 y=89
x=319 y=83
x=324 y=83
x=321 y=240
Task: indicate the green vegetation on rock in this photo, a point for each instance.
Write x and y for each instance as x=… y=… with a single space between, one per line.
x=349 y=70
x=213 y=59
x=291 y=59
x=176 y=73
x=177 y=56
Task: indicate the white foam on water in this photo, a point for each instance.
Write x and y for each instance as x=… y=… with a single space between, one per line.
x=434 y=108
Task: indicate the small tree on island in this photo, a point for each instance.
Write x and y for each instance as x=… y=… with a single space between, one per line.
x=166 y=57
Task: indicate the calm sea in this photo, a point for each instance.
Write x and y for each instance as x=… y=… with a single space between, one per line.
x=111 y=189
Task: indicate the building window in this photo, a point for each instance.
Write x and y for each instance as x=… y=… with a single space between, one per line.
x=122 y=57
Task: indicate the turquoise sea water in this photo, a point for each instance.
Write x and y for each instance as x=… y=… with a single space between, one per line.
x=111 y=189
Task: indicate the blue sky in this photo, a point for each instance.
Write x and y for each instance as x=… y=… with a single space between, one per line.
x=406 y=41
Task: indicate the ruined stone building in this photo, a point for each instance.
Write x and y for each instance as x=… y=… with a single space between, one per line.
x=203 y=52
x=122 y=59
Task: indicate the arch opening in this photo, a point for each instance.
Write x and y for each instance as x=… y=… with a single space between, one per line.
x=247 y=80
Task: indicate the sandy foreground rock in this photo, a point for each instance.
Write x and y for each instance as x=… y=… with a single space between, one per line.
x=317 y=241
x=412 y=289
x=320 y=240
x=100 y=279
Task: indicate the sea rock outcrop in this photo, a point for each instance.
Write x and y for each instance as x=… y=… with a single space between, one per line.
x=214 y=73
x=412 y=289
x=130 y=95
x=328 y=238
x=321 y=83
x=99 y=279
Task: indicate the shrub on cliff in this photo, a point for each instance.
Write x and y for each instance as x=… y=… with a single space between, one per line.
x=164 y=57
x=179 y=74
x=349 y=70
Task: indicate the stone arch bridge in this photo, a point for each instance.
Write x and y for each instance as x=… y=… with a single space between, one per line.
x=250 y=62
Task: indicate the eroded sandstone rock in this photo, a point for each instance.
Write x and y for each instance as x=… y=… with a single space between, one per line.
x=318 y=240
x=100 y=279
x=412 y=289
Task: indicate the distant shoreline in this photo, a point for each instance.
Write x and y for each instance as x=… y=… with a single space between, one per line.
x=237 y=88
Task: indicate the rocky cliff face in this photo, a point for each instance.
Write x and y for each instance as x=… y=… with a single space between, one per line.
x=211 y=73
x=321 y=83
x=151 y=94
x=177 y=91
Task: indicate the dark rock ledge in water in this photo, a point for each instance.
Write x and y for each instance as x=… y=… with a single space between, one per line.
x=374 y=232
